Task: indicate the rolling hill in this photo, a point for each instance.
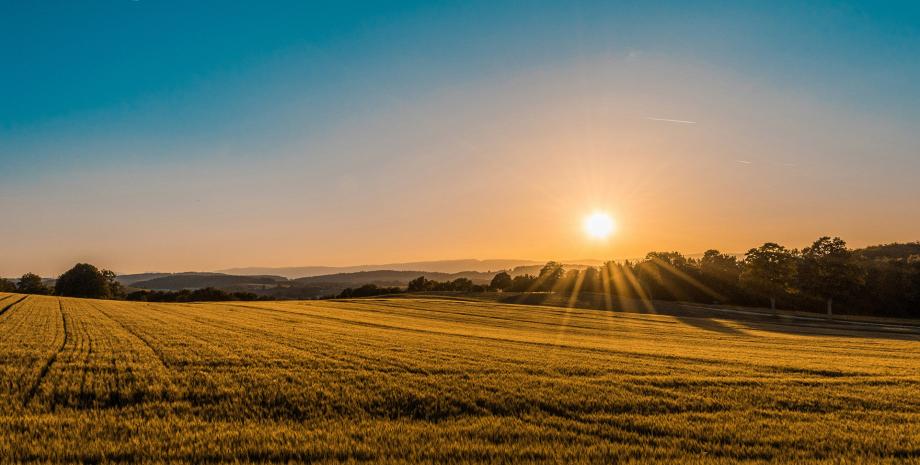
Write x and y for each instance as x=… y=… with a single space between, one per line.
x=891 y=251
x=178 y=281
x=129 y=279
x=393 y=277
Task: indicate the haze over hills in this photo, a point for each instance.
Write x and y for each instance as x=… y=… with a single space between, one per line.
x=310 y=287
x=437 y=266
x=180 y=281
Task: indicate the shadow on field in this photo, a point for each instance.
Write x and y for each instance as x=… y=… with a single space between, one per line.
x=705 y=316
x=710 y=325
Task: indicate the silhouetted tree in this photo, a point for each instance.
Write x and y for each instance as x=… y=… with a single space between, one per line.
x=116 y=290
x=31 y=283
x=462 y=285
x=83 y=280
x=674 y=260
x=650 y=278
x=457 y=285
x=769 y=270
x=591 y=280
x=568 y=281
x=419 y=284
x=619 y=279
x=523 y=283
x=550 y=274
x=579 y=280
x=892 y=287
x=721 y=272
x=368 y=290
x=501 y=281
x=828 y=270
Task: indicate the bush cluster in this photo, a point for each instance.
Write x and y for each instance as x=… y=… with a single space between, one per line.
x=207 y=294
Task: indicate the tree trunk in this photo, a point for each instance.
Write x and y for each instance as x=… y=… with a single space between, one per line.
x=830 y=304
x=773 y=304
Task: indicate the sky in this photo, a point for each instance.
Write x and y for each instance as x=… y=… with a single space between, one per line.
x=171 y=136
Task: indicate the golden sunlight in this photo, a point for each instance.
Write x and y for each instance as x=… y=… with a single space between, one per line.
x=599 y=225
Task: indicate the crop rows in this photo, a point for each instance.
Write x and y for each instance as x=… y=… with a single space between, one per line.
x=438 y=380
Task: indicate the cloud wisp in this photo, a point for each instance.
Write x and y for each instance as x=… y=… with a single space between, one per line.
x=669 y=120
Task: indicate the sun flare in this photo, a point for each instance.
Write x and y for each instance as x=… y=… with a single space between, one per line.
x=599 y=225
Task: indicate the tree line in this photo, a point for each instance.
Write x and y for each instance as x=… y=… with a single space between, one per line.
x=205 y=294
x=87 y=281
x=420 y=284
x=821 y=277
x=367 y=290
x=83 y=280
x=825 y=276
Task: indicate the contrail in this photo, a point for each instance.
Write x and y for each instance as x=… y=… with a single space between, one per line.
x=668 y=120
x=746 y=162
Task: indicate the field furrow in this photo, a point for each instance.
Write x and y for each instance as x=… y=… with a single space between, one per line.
x=49 y=362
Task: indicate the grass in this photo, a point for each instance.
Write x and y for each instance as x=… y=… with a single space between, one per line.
x=443 y=380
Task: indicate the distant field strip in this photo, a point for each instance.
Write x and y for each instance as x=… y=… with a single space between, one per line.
x=440 y=381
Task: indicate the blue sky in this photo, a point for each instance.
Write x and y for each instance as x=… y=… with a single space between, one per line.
x=67 y=63
x=94 y=92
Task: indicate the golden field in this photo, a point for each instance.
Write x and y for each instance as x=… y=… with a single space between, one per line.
x=443 y=380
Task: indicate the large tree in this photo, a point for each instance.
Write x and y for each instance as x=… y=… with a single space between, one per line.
x=501 y=281
x=829 y=270
x=720 y=272
x=83 y=280
x=769 y=270
x=31 y=283
x=116 y=290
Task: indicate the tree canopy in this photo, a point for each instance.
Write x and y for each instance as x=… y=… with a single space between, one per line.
x=85 y=280
x=769 y=270
x=500 y=281
x=31 y=283
x=828 y=270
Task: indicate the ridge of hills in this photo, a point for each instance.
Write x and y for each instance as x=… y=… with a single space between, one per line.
x=439 y=266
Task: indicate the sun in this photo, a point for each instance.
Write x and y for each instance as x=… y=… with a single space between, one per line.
x=599 y=225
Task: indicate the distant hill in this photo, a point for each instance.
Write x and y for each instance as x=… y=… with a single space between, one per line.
x=129 y=279
x=439 y=266
x=179 y=281
x=392 y=277
x=893 y=250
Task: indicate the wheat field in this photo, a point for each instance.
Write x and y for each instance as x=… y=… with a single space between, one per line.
x=443 y=381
